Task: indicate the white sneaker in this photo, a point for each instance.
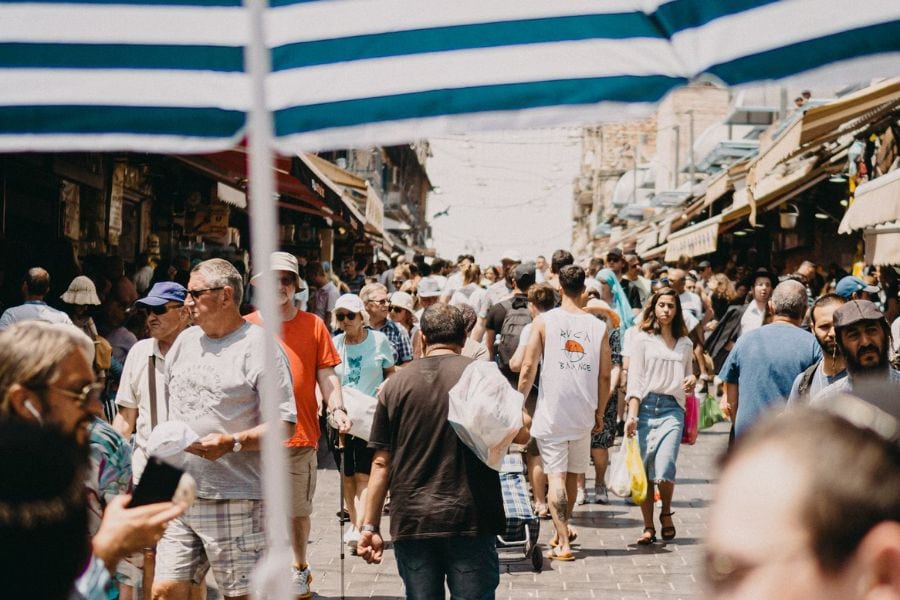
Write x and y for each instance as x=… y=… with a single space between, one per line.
x=300 y=580
x=580 y=498
x=351 y=538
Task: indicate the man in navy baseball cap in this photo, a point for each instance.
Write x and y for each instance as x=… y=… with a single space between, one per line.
x=162 y=293
x=854 y=288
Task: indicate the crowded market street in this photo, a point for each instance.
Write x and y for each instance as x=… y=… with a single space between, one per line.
x=613 y=566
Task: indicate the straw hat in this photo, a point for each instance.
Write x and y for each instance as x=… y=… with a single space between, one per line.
x=81 y=291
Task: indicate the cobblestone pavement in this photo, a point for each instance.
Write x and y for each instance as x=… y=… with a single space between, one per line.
x=609 y=564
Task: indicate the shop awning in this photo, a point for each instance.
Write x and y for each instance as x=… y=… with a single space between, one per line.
x=355 y=193
x=230 y=170
x=695 y=240
x=310 y=171
x=883 y=244
x=823 y=120
x=646 y=242
x=875 y=202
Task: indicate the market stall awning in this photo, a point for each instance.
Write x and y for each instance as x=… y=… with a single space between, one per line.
x=883 y=244
x=695 y=240
x=309 y=171
x=356 y=193
x=875 y=202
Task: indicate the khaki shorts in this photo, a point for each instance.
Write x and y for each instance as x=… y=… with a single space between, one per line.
x=302 y=466
x=572 y=456
x=225 y=535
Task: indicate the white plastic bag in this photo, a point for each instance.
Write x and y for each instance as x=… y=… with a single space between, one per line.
x=485 y=411
x=618 y=476
x=360 y=410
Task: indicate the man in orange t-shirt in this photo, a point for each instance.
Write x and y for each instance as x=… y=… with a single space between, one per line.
x=312 y=358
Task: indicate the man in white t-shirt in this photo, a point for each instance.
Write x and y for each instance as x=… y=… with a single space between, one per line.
x=571 y=348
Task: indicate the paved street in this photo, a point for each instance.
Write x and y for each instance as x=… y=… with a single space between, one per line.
x=609 y=565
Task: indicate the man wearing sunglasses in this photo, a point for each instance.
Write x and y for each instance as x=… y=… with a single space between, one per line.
x=142 y=393
x=213 y=380
x=375 y=298
x=312 y=357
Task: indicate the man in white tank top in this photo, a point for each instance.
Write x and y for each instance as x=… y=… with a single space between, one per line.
x=571 y=348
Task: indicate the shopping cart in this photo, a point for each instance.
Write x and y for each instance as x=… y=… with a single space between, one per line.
x=523 y=527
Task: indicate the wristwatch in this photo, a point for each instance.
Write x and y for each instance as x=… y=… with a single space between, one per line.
x=237 y=444
x=370 y=528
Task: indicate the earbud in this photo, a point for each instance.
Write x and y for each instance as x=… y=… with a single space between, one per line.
x=34 y=412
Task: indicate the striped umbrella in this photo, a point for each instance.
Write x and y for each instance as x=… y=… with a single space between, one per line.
x=168 y=75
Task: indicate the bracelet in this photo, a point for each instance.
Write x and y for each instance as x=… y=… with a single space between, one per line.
x=370 y=528
x=337 y=408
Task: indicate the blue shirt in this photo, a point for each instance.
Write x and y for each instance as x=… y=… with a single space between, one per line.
x=764 y=363
x=399 y=340
x=362 y=365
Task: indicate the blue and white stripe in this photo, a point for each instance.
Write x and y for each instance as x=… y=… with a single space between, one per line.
x=168 y=75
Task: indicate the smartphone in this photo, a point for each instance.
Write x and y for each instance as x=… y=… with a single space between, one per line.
x=158 y=483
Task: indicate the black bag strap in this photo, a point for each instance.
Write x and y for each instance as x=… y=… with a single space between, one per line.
x=806 y=380
x=151 y=374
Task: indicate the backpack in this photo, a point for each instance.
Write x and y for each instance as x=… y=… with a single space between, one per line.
x=517 y=317
x=806 y=381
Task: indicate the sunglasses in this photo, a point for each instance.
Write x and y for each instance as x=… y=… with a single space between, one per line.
x=348 y=316
x=197 y=293
x=399 y=282
x=379 y=302
x=161 y=309
x=397 y=309
x=287 y=280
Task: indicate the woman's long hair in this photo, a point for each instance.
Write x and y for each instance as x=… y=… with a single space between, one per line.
x=651 y=325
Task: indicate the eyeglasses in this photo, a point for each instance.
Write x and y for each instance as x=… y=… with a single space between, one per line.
x=161 y=309
x=342 y=316
x=383 y=302
x=88 y=393
x=197 y=293
x=399 y=282
x=287 y=280
x=397 y=309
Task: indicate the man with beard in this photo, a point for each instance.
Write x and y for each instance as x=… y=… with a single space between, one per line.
x=832 y=367
x=863 y=336
x=46 y=378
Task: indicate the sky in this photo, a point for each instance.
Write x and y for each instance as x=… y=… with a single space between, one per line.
x=503 y=191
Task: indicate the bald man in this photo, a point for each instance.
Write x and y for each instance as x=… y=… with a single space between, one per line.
x=35 y=287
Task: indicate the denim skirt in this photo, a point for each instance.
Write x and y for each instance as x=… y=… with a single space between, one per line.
x=659 y=427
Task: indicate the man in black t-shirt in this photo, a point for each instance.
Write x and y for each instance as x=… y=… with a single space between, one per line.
x=446 y=505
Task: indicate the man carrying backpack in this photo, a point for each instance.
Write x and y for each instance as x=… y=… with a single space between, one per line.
x=507 y=319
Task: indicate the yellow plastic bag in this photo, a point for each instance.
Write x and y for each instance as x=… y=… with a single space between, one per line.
x=636 y=470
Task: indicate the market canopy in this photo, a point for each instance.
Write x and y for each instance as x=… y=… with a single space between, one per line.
x=169 y=75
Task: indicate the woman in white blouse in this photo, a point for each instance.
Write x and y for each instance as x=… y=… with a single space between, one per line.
x=660 y=375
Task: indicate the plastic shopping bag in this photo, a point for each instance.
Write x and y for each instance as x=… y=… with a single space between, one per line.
x=360 y=410
x=485 y=412
x=618 y=479
x=691 y=419
x=710 y=413
x=638 y=477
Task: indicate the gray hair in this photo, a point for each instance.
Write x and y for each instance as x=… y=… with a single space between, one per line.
x=219 y=272
x=31 y=351
x=789 y=299
x=365 y=294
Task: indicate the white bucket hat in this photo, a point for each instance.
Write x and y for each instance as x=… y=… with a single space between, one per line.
x=351 y=303
x=81 y=291
x=281 y=261
x=403 y=300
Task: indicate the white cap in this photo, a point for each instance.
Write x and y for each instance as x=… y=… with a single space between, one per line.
x=428 y=288
x=350 y=302
x=403 y=300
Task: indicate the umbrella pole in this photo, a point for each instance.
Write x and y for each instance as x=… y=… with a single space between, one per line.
x=272 y=574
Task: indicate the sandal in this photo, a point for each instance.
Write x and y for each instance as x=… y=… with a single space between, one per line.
x=554 y=541
x=555 y=555
x=668 y=533
x=542 y=511
x=646 y=540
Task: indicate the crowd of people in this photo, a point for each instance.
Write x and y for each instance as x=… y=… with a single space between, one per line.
x=608 y=348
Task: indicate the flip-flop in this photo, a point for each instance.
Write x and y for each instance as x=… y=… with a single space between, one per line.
x=554 y=555
x=573 y=535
